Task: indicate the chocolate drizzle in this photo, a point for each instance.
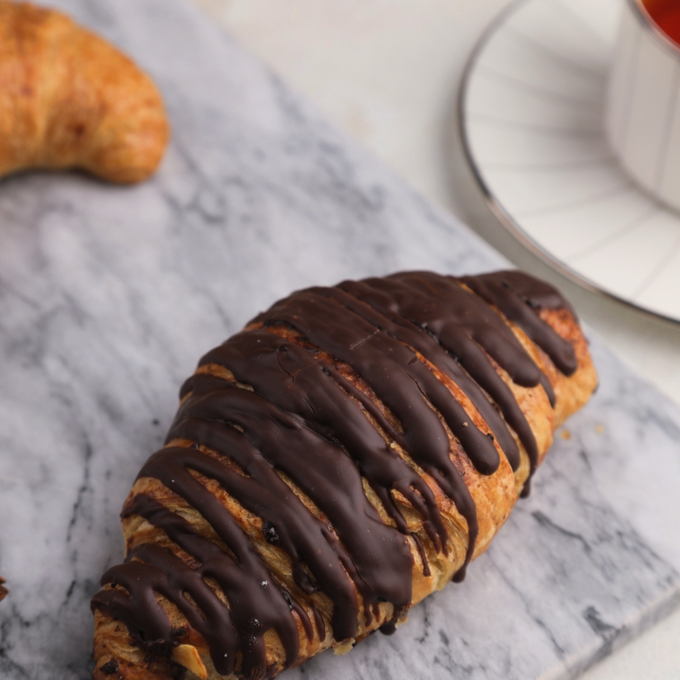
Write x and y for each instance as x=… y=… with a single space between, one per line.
x=375 y=380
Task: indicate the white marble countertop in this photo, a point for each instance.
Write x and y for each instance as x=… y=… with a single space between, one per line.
x=110 y=294
x=387 y=73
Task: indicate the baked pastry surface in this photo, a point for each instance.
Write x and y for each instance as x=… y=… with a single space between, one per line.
x=344 y=456
x=69 y=99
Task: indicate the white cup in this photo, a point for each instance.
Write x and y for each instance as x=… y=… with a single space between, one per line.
x=642 y=117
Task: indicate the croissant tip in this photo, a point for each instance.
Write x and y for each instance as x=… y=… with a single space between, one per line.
x=107 y=116
x=118 y=657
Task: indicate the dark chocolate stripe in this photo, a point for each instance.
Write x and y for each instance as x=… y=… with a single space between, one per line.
x=377 y=555
x=451 y=314
x=520 y=297
x=290 y=377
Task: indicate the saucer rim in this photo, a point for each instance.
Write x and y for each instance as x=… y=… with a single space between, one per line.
x=504 y=217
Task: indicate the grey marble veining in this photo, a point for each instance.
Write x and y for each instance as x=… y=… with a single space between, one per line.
x=109 y=296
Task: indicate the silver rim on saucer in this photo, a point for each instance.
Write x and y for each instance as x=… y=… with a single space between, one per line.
x=503 y=214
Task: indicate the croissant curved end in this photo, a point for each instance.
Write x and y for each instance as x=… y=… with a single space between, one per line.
x=70 y=99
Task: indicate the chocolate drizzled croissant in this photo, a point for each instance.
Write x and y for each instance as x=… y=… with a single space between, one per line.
x=341 y=458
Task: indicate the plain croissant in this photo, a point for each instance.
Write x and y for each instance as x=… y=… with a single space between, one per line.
x=334 y=463
x=70 y=99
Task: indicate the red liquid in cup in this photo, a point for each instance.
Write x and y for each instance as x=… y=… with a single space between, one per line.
x=666 y=15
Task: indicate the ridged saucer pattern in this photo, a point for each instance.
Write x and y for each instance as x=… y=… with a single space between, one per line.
x=532 y=125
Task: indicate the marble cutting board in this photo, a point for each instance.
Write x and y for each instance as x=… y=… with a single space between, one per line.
x=109 y=296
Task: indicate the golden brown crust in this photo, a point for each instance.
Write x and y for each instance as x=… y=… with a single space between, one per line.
x=69 y=99
x=494 y=496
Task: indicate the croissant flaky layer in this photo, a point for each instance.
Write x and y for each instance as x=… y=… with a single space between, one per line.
x=70 y=99
x=337 y=461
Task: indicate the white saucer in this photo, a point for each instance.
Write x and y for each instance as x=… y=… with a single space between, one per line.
x=531 y=118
